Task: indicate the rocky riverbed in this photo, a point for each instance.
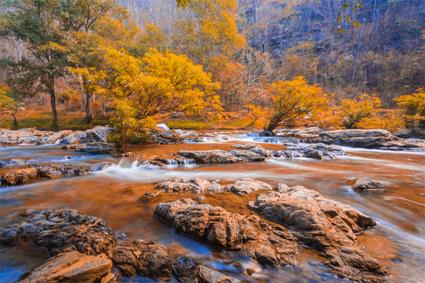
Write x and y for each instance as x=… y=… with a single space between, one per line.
x=211 y=207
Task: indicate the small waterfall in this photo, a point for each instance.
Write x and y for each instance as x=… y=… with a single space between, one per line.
x=172 y=163
x=188 y=162
x=163 y=127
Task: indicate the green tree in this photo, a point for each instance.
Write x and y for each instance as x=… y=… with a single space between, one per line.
x=86 y=20
x=37 y=23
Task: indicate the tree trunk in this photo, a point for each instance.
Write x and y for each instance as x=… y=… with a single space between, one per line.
x=15 y=121
x=87 y=109
x=274 y=122
x=55 y=124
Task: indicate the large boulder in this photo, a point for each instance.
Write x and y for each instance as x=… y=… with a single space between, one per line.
x=61 y=229
x=328 y=226
x=268 y=244
x=140 y=257
x=358 y=138
x=72 y=267
x=98 y=134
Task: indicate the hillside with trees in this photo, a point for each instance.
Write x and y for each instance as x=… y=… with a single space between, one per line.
x=331 y=64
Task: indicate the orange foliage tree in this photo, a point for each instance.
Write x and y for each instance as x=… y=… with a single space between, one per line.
x=414 y=108
x=355 y=110
x=293 y=100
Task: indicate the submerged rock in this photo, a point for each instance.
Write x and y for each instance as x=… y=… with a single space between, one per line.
x=72 y=267
x=367 y=184
x=268 y=244
x=98 y=134
x=328 y=226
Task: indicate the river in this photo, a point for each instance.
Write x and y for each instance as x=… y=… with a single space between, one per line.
x=116 y=194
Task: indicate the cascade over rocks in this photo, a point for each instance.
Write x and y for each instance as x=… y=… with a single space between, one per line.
x=328 y=226
x=268 y=244
x=294 y=151
x=256 y=153
x=85 y=249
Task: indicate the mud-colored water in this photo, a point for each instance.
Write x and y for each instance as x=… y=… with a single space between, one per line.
x=116 y=194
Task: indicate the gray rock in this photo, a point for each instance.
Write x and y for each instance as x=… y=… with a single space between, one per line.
x=211 y=156
x=247 y=186
x=249 y=235
x=328 y=226
x=62 y=229
x=36 y=137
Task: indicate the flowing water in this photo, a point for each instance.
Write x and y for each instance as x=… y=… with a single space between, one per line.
x=116 y=194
